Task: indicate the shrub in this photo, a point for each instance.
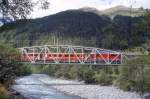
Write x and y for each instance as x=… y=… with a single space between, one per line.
x=135 y=75
x=88 y=76
x=103 y=78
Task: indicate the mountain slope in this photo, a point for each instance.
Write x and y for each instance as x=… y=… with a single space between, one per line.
x=66 y=25
x=125 y=11
x=76 y=27
x=117 y=10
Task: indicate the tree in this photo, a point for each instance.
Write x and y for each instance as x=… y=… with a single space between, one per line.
x=88 y=76
x=141 y=8
x=107 y=41
x=19 y=9
x=9 y=67
x=135 y=75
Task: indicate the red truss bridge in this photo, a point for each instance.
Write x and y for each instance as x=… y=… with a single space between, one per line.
x=68 y=54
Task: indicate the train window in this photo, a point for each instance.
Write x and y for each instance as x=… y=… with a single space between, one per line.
x=71 y=55
x=49 y=55
x=60 y=55
x=66 y=55
x=79 y=55
x=54 y=55
x=113 y=54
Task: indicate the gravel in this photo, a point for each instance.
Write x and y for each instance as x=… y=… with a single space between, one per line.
x=87 y=91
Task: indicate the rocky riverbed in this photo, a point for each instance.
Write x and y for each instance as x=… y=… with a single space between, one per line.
x=44 y=85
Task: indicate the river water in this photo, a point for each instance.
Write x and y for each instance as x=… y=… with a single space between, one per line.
x=31 y=87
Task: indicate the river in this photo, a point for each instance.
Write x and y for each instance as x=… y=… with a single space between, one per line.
x=31 y=87
x=41 y=86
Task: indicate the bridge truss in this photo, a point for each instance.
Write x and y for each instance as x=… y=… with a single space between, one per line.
x=68 y=54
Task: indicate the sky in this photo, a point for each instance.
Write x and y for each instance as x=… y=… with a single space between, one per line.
x=62 y=5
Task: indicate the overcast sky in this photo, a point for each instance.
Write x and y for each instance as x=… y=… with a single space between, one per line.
x=62 y=5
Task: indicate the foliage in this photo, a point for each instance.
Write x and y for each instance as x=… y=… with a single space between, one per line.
x=89 y=76
x=135 y=75
x=3 y=92
x=103 y=78
x=23 y=70
x=9 y=67
x=20 y=9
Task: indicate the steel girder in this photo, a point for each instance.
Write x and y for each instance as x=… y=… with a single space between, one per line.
x=34 y=53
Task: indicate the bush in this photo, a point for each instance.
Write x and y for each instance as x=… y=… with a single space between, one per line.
x=103 y=78
x=88 y=76
x=24 y=70
x=4 y=92
x=135 y=75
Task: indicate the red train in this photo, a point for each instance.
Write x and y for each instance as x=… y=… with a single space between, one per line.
x=65 y=57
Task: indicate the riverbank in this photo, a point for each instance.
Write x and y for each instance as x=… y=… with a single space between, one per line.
x=86 y=91
x=41 y=86
x=32 y=87
x=6 y=93
x=97 y=92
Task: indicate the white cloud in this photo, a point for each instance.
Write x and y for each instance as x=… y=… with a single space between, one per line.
x=62 y=5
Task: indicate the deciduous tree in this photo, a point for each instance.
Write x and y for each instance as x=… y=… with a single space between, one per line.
x=20 y=9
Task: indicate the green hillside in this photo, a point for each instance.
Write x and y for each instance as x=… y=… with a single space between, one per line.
x=77 y=27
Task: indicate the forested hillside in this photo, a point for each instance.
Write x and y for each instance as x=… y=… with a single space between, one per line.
x=79 y=28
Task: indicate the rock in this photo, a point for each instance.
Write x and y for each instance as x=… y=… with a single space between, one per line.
x=147 y=95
